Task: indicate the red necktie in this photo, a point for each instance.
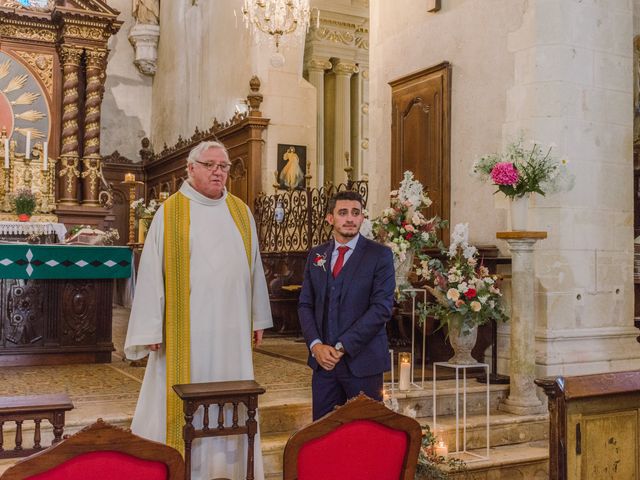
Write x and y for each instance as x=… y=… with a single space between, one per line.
x=340 y=261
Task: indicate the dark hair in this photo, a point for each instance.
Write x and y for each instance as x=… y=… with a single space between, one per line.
x=344 y=195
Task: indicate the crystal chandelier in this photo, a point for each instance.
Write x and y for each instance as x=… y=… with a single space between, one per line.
x=277 y=17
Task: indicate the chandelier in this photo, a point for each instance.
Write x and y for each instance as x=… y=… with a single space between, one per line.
x=277 y=17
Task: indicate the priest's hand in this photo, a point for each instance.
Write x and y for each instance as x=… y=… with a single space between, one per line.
x=326 y=356
x=257 y=338
x=154 y=347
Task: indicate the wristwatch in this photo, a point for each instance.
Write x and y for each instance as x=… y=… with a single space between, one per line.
x=339 y=347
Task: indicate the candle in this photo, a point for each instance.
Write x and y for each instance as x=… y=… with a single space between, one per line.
x=6 y=153
x=45 y=154
x=27 y=153
x=441 y=449
x=404 y=361
x=129 y=177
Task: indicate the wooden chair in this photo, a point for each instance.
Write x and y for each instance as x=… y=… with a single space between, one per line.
x=100 y=452
x=359 y=441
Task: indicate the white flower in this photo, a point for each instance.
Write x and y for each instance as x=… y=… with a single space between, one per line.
x=425 y=236
x=469 y=251
x=463 y=287
x=453 y=294
x=475 y=306
x=483 y=298
x=453 y=278
x=417 y=219
x=367 y=229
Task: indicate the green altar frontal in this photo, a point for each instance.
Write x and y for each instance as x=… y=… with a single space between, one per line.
x=22 y=261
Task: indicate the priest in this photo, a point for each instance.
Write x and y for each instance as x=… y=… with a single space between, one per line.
x=201 y=298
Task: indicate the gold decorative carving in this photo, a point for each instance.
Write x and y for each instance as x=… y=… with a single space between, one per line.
x=84 y=32
x=335 y=36
x=40 y=32
x=70 y=171
x=318 y=64
x=91 y=169
x=26 y=98
x=42 y=64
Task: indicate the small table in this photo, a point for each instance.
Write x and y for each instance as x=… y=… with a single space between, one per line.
x=464 y=369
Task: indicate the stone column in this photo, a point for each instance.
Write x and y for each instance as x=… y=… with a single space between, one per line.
x=522 y=398
x=93 y=100
x=316 y=67
x=342 y=139
x=69 y=155
x=363 y=148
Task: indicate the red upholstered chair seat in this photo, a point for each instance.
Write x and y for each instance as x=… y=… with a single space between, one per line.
x=359 y=450
x=105 y=465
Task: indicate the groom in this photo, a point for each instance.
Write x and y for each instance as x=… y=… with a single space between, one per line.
x=345 y=302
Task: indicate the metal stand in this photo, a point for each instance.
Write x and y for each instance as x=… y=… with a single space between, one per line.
x=414 y=292
x=464 y=407
x=494 y=377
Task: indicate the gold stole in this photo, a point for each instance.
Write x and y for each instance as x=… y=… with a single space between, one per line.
x=177 y=298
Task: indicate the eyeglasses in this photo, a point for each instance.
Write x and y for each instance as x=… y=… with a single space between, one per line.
x=212 y=167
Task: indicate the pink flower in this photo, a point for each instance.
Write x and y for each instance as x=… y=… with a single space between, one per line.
x=504 y=173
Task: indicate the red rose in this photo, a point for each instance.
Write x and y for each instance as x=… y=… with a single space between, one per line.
x=408 y=236
x=470 y=293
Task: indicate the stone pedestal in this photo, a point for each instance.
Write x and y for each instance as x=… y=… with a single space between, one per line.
x=144 y=38
x=522 y=398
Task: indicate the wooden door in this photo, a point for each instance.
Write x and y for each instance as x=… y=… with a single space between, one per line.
x=421 y=135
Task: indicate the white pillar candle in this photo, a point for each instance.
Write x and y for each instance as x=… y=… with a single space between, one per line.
x=6 y=153
x=405 y=376
x=45 y=154
x=441 y=449
x=27 y=153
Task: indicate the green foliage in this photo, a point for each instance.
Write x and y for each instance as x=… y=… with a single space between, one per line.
x=432 y=466
x=24 y=201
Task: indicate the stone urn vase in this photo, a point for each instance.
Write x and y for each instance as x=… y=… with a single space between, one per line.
x=462 y=341
x=520 y=213
x=403 y=268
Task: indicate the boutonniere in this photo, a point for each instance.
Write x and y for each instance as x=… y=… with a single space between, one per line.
x=320 y=260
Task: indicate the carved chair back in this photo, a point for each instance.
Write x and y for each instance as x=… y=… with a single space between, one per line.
x=361 y=440
x=101 y=451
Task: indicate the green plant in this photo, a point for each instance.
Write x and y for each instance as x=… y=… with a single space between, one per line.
x=24 y=201
x=431 y=465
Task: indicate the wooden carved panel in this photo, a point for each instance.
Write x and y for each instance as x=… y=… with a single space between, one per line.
x=79 y=302
x=25 y=319
x=420 y=135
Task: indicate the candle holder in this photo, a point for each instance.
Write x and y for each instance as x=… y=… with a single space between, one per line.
x=132 y=183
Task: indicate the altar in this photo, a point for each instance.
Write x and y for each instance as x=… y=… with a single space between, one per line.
x=56 y=302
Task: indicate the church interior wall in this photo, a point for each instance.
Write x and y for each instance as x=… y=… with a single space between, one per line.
x=562 y=73
x=126 y=108
x=206 y=58
x=405 y=38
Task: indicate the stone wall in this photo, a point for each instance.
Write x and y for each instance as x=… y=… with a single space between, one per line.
x=126 y=108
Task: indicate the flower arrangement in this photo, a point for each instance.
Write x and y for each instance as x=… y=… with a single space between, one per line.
x=464 y=291
x=520 y=171
x=24 y=201
x=431 y=464
x=144 y=212
x=402 y=226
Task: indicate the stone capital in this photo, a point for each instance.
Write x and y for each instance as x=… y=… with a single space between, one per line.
x=318 y=64
x=345 y=68
x=144 y=39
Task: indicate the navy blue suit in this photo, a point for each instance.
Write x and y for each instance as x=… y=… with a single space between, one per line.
x=352 y=309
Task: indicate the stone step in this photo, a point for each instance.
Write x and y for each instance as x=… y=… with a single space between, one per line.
x=504 y=429
x=421 y=400
x=508 y=462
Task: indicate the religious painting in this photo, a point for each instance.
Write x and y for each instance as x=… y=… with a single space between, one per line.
x=292 y=166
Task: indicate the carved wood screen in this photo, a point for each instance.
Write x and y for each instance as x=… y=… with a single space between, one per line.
x=421 y=134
